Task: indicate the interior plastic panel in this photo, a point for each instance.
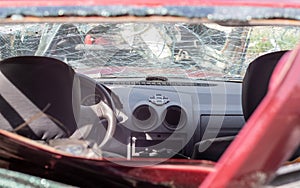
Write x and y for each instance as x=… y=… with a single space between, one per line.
x=196 y=102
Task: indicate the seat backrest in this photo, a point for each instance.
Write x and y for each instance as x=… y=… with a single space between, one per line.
x=255 y=87
x=29 y=85
x=256 y=81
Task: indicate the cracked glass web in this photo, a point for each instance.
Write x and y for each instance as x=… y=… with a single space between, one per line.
x=140 y=49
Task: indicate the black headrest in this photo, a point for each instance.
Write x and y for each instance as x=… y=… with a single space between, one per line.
x=256 y=81
x=45 y=82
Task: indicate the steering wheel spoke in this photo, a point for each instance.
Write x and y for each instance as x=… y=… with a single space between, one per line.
x=105 y=109
x=108 y=114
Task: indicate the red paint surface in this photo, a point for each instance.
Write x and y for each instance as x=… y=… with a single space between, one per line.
x=178 y=176
x=269 y=3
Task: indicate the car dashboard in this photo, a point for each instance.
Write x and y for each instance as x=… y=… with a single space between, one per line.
x=167 y=118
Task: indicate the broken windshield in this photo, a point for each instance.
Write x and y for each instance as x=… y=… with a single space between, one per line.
x=141 y=49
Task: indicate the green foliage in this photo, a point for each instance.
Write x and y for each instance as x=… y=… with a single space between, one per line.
x=272 y=39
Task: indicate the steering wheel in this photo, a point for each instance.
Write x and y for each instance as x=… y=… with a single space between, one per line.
x=97 y=95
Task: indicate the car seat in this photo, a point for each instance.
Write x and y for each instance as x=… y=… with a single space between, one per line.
x=254 y=88
x=39 y=97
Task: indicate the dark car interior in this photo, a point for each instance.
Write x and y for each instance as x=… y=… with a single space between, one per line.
x=151 y=118
x=128 y=117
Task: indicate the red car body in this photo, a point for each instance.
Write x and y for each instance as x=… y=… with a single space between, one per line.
x=267 y=3
x=275 y=125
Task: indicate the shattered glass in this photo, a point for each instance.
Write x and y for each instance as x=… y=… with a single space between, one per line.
x=141 y=49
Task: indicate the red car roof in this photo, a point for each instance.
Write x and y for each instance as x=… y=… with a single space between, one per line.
x=267 y=3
